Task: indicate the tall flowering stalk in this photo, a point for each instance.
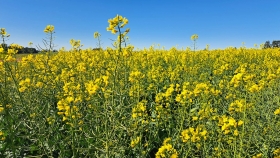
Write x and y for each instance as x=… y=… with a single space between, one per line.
x=4 y=35
x=97 y=35
x=194 y=37
x=48 y=42
x=76 y=44
x=30 y=44
x=115 y=26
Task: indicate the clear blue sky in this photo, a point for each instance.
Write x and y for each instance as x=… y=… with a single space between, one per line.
x=219 y=23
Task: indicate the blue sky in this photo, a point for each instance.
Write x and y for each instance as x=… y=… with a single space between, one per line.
x=219 y=23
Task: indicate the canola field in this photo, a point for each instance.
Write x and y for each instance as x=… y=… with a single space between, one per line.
x=146 y=103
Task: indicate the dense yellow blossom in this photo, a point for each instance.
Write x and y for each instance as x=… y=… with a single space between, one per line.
x=237 y=106
x=96 y=34
x=194 y=134
x=276 y=153
x=75 y=43
x=277 y=111
x=3 y=31
x=258 y=156
x=49 y=29
x=134 y=142
x=15 y=46
x=1 y=50
x=1 y=108
x=194 y=37
x=113 y=23
x=167 y=150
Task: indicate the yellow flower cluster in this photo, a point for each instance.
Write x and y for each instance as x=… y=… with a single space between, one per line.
x=92 y=87
x=237 y=106
x=75 y=43
x=163 y=101
x=199 y=88
x=96 y=34
x=188 y=94
x=236 y=80
x=276 y=153
x=255 y=88
x=24 y=84
x=116 y=21
x=50 y=120
x=15 y=46
x=258 y=156
x=3 y=33
x=67 y=110
x=128 y=51
x=206 y=112
x=194 y=37
x=134 y=142
x=2 y=136
x=1 y=49
x=221 y=69
x=140 y=111
x=229 y=124
x=49 y=29
x=277 y=111
x=136 y=76
x=169 y=91
x=194 y=134
x=9 y=58
x=13 y=49
x=167 y=150
x=185 y=95
x=1 y=108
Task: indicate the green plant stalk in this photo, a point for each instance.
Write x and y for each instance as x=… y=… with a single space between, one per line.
x=99 y=45
x=120 y=38
x=243 y=128
x=9 y=117
x=50 y=43
x=16 y=84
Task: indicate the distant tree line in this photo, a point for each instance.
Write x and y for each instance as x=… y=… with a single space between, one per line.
x=274 y=44
x=23 y=50
x=27 y=50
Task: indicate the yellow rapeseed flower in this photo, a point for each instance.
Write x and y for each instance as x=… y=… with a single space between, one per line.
x=235 y=132
x=10 y=58
x=134 y=142
x=194 y=37
x=96 y=34
x=276 y=152
x=258 y=156
x=117 y=21
x=277 y=111
x=30 y=44
x=166 y=150
x=12 y=51
x=254 y=88
x=1 y=108
x=240 y=122
x=49 y=29
x=1 y=50
x=3 y=31
x=194 y=118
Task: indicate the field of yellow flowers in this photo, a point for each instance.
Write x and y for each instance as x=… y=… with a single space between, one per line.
x=146 y=103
